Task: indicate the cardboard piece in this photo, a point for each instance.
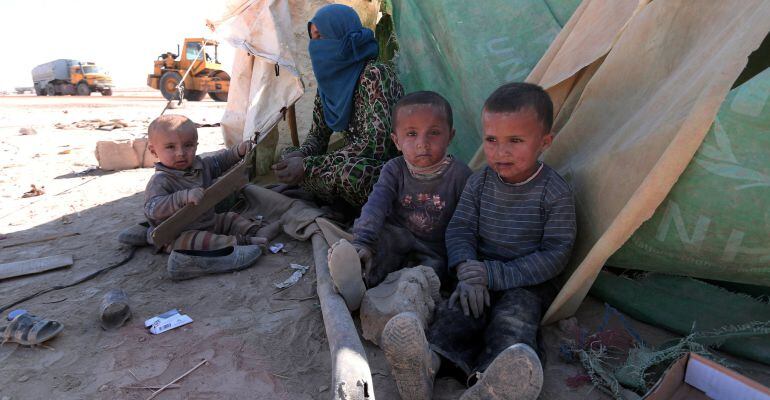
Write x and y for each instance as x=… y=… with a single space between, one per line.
x=232 y=180
x=116 y=155
x=693 y=377
x=144 y=157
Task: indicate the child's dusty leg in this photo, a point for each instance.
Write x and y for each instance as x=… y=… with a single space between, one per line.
x=201 y=240
x=411 y=360
x=509 y=366
x=246 y=231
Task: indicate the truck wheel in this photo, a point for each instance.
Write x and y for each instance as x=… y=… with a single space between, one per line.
x=83 y=89
x=168 y=85
x=220 y=96
x=107 y=92
x=50 y=90
x=194 y=95
x=39 y=92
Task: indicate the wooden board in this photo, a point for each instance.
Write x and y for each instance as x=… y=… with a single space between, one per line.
x=26 y=267
x=234 y=179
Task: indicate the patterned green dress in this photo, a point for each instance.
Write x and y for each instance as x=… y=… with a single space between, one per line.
x=350 y=172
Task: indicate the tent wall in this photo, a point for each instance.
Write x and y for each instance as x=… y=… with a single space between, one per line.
x=465 y=49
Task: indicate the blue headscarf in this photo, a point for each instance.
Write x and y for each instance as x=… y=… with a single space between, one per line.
x=338 y=59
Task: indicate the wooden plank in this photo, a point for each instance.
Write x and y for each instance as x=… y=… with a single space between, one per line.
x=291 y=118
x=234 y=179
x=34 y=266
x=351 y=376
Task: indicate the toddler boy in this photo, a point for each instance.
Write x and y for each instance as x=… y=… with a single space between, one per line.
x=405 y=217
x=214 y=242
x=512 y=232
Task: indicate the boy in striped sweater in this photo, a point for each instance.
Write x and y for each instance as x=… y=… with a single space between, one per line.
x=512 y=232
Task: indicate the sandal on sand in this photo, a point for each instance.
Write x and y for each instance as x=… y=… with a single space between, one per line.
x=29 y=330
x=135 y=235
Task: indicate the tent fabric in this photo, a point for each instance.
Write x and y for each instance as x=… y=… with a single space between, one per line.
x=641 y=118
x=261 y=30
x=464 y=50
x=715 y=222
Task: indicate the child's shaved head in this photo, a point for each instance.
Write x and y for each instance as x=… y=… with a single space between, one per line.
x=172 y=123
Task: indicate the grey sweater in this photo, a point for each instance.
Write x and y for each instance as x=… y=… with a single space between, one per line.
x=166 y=191
x=523 y=233
x=424 y=207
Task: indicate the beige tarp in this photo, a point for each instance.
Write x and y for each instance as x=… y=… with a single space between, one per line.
x=265 y=79
x=631 y=120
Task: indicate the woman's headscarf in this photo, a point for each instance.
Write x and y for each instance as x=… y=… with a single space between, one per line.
x=338 y=59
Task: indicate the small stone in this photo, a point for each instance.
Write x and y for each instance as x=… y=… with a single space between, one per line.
x=27 y=130
x=24 y=378
x=322 y=388
x=142 y=338
x=103 y=388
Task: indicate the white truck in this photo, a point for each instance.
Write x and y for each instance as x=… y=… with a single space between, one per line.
x=71 y=77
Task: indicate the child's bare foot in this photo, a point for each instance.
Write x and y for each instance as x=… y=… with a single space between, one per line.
x=259 y=241
x=270 y=231
x=345 y=269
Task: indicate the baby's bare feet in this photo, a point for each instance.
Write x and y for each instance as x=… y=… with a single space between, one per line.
x=258 y=240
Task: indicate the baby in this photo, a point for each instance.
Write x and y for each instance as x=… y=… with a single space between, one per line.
x=180 y=179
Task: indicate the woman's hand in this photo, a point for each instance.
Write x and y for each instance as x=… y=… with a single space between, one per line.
x=290 y=171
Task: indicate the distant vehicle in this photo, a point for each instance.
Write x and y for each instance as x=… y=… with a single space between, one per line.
x=23 y=89
x=206 y=76
x=70 y=77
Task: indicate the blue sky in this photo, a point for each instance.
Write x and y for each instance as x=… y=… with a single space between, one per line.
x=125 y=37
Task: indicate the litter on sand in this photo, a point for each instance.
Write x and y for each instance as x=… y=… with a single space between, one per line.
x=168 y=320
x=276 y=248
x=299 y=270
x=35 y=191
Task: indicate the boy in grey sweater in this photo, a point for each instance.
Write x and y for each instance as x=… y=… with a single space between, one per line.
x=512 y=232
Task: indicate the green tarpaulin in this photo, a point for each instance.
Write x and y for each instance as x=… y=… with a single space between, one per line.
x=715 y=222
x=466 y=49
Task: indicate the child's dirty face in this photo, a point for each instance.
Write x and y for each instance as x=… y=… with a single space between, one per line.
x=174 y=149
x=422 y=133
x=513 y=142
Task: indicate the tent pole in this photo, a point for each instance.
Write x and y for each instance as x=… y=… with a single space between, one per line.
x=351 y=376
x=291 y=117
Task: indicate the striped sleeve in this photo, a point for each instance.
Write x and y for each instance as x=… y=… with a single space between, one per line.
x=549 y=259
x=462 y=231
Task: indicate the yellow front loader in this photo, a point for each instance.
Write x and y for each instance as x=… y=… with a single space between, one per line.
x=205 y=76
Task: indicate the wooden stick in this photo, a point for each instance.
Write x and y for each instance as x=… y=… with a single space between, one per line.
x=26 y=267
x=40 y=240
x=291 y=119
x=170 y=229
x=351 y=376
x=150 y=387
x=155 y=393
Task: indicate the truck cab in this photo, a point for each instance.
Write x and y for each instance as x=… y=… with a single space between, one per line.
x=89 y=77
x=70 y=77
